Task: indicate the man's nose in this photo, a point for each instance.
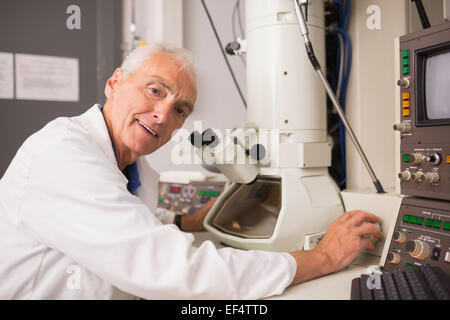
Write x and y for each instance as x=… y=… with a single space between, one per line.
x=161 y=112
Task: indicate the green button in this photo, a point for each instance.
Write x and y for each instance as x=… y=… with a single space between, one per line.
x=429 y=222
x=405 y=53
x=412 y=219
x=446 y=225
x=405 y=70
x=213 y=193
x=201 y=192
x=160 y=200
x=405 y=218
x=419 y=220
x=405 y=61
x=437 y=224
x=406 y=158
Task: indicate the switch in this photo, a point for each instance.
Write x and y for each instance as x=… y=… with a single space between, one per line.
x=447 y=226
x=405 y=95
x=435 y=253
x=448 y=159
x=405 y=53
x=405 y=104
x=405 y=70
x=406 y=112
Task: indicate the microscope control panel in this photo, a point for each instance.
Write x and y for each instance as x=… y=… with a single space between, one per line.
x=186 y=198
x=424 y=125
x=421 y=235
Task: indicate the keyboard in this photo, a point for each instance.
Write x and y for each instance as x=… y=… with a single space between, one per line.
x=428 y=283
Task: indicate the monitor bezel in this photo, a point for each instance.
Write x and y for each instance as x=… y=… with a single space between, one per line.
x=421 y=57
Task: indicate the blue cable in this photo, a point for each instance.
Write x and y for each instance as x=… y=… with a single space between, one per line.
x=341 y=9
x=347 y=14
x=342 y=98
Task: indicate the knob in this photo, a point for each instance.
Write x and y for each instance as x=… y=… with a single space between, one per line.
x=434 y=158
x=417 y=157
x=418 y=176
x=405 y=175
x=431 y=177
x=403 y=83
x=418 y=249
x=403 y=127
x=398 y=236
x=393 y=258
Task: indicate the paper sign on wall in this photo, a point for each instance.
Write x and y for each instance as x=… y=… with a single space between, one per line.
x=6 y=76
x=47 y=78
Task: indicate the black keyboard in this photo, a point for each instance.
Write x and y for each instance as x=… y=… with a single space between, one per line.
x=428 y=283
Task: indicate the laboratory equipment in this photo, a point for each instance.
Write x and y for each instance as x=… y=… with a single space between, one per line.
x=185 y=192
x=275 y=202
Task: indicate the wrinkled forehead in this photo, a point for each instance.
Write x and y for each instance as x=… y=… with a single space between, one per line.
x=174 y=73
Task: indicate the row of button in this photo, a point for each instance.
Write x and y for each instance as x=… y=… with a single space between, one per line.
x=405 y=95
x=405 y=62
x=432 y=223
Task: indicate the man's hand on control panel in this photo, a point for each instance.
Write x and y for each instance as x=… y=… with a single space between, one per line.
x=344 y=240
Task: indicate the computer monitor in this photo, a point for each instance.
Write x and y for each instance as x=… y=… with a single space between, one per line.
x=433 y=85
x=424 y=108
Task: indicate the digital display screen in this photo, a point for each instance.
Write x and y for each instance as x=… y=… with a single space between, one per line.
x=437 y=86
x=175 y=189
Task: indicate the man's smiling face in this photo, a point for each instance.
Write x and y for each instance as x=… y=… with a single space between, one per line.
x=147 y=106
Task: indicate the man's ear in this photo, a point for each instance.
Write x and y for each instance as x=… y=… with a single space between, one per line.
x=113 y=81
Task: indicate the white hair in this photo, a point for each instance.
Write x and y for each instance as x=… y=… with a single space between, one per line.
x=140 y=54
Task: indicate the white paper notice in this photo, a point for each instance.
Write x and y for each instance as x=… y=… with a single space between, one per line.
x=6 y=76
x=47 y=78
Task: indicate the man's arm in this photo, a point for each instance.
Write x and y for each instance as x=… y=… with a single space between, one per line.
x=343 y=241
x=194 y=222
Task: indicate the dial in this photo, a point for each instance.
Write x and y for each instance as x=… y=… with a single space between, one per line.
x=399 y=236
x=418 y=249
x=431 y=177
x=418 y=158
x=418 y=176
x=403 y=83
x=403 y=127
x=393 y=258
x=405 y=175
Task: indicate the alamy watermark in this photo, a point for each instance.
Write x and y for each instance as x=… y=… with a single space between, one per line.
x=374 y=279
x=73 y=281
x=73 y=22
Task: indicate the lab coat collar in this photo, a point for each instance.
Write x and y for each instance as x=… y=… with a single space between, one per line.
x=94 y=122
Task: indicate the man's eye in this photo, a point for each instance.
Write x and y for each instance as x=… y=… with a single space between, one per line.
x=180 y=111
x=155 y=91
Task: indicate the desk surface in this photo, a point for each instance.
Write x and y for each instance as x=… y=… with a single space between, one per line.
x=336 y=286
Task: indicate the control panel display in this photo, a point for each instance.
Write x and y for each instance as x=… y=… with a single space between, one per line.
x=188 y=198
x=421 y=235
x=424 y=110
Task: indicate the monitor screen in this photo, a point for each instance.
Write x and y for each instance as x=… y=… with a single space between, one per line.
x=437 y=86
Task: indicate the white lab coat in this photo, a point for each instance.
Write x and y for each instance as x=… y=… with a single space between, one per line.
x=69 y=229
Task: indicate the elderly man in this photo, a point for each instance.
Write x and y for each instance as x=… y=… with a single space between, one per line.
x=78 y=214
